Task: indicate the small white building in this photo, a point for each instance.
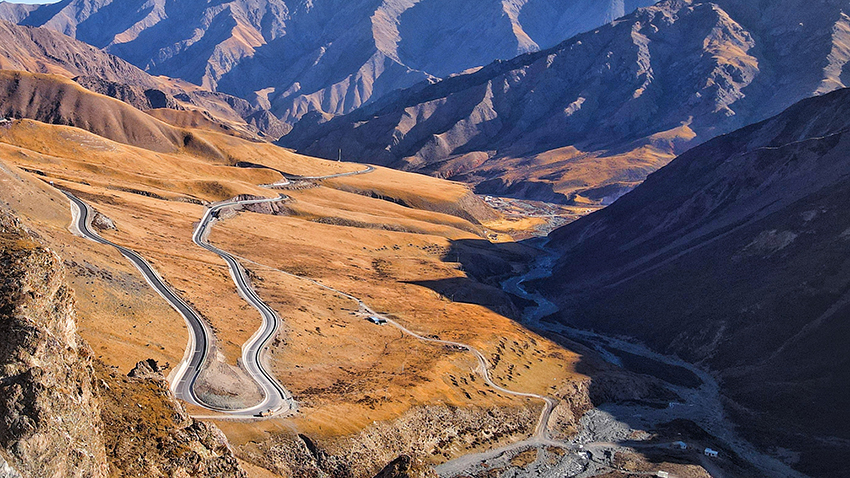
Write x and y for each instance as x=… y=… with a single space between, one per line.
x=679 y=445
x=711 y=453
x=662 y=474
x=377 y=320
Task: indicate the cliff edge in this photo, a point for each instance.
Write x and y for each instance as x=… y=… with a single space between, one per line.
x=63 y=413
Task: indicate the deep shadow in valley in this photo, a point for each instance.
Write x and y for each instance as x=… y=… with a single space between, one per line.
x=631 y=389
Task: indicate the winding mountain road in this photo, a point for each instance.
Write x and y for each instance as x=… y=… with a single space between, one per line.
x=275 y=397
x=293 y=177
x=540 y=437
x=196 y=350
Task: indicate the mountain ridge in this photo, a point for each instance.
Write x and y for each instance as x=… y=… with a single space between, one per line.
x=294 y=57
x=43 y=51
x=589 y=118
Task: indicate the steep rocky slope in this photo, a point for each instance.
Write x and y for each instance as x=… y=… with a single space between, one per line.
x=51 y=415
x=15 y=12
x=331 y=56
x=40 y=50
x=735 y=256
x=63 y=413
x=591 y=117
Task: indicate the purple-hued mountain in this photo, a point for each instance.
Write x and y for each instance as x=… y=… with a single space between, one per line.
x=734 y=256
x=589 y=118
x=330 y=56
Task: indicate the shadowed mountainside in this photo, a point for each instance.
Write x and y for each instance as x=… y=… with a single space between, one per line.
x=734 y=256
x=588 y=119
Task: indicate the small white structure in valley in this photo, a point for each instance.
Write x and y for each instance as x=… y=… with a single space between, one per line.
x=711 y=453
x=377 y=320
x=679 y=445
x=662 y=474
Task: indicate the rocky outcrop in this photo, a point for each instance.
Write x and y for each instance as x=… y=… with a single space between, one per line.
x=103 y=223
x=735 y=256
x=400 y=446
x=62 y=413
x=148 y=433
x=271 y=208
x=51 y=413
x=7 y=471
x=591 y=117
x=405 y=467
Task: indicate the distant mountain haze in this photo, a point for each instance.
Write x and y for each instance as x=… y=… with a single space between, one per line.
x=588 y=119
x=328 y=56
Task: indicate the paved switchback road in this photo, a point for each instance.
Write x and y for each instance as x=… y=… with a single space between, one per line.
x=276 y=398
x=199 y=333
x=540 y=437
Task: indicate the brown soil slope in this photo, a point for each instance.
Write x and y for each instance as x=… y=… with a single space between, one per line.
x=55 y=99
x=735 y=255
x=41 y=50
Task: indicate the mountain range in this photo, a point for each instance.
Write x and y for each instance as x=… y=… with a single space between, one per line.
x=734 y=256
x=716 y=133
x=588 y=119
x=40 y=50
x=330 y=56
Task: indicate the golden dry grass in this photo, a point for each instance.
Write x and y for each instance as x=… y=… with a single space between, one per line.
x=375 y=373
x=346 y=372
x=117 y=310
